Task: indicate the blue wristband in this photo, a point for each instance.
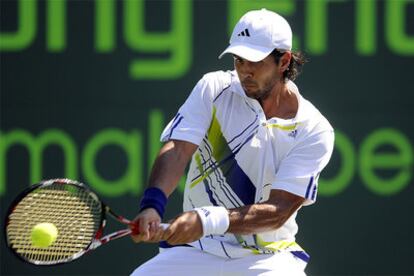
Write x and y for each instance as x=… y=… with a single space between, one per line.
x=154 y=198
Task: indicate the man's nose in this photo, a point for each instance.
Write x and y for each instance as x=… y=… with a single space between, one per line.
x=247 y=69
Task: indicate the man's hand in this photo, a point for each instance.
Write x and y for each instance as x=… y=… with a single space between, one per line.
x=149 y=229
x=185 y=228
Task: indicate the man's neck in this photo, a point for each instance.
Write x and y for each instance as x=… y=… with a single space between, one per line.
x=280 y=103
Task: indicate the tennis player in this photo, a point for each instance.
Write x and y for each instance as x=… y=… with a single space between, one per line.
x=257 y=148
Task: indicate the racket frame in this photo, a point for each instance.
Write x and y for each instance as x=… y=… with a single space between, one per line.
x=98 y=237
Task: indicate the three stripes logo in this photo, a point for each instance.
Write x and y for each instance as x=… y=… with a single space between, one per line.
x=206 y=212
x=244 y=33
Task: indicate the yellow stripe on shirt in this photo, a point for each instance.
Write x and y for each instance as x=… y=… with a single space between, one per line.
x=282 y=127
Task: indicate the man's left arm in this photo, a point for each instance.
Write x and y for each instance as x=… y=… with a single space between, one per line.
x=249 y=219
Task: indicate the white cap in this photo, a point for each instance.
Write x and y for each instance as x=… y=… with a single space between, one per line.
x=258 y=33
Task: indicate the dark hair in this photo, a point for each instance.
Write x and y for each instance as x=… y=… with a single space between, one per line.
x=295 y=66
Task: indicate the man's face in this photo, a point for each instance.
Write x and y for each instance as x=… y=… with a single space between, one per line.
x=257 y=78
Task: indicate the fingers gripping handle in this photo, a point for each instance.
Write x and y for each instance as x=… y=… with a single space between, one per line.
x=133 y=230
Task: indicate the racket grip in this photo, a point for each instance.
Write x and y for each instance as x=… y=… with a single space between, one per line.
x=135 y=227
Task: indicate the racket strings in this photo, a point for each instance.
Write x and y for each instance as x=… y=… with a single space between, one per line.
x=75 y=213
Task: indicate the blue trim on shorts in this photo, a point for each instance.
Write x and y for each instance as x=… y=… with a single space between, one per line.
x=164 y=244
x=225 y=251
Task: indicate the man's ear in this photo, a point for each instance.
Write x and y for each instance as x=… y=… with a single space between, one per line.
x=285 y=61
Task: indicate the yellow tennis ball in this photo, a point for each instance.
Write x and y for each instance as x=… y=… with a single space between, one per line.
x=44 y=234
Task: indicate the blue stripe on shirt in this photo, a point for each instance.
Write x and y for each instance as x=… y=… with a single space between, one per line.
x=309 y=187
x=314 y=192
x=301 y=255
x=175 y=124
x=220 y=180
x=221 y=92
x=238 y=135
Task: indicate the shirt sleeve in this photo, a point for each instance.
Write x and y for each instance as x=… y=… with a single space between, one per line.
x=299 y=171
x=194 y=116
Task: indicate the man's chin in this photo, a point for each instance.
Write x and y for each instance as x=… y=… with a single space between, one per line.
x=257 y=94
x=251 y=92
x=254 y=95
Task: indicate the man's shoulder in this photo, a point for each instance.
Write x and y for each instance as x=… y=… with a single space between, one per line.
x=220 y=81
x=313 y=118
x=221 y=77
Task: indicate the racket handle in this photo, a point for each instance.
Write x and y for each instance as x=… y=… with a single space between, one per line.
x=135 y=228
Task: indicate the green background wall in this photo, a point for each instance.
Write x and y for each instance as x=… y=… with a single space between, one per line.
x=87 y=86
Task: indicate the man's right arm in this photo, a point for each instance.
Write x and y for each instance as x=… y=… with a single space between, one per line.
x=167 y=170
x=170 y=164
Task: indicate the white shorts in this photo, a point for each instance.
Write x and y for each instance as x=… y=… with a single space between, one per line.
x=189 y=261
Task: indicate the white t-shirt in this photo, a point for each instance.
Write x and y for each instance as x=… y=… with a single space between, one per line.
x=242 y=156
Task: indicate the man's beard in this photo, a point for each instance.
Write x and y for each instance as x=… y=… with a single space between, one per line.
x=262 y=94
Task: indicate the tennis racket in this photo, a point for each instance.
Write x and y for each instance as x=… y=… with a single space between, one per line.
x=77 y=212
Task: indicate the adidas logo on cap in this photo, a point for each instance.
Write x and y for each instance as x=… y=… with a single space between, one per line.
x=244 y=33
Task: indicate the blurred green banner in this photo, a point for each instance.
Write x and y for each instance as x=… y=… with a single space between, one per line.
x=87 y=87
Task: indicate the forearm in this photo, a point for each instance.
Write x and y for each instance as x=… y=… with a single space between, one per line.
x=266 y=216
x=170 y=164
x=167 y=170
x=254 y=218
